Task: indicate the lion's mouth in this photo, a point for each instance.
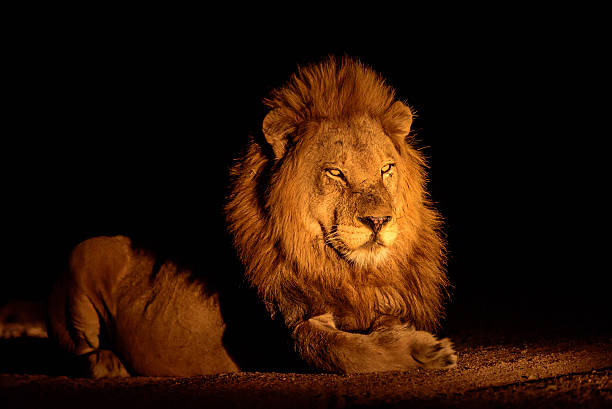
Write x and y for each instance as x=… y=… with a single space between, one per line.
x=356 y=244
x=374 y=243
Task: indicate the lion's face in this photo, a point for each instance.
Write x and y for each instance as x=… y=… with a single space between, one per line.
x=348 y=186
x=354 y=185
x=329 y=211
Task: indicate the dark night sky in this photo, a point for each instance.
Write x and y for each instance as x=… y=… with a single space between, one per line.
x=132 y=131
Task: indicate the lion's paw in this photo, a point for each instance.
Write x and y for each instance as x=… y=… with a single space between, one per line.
x=429 y=352
x=104 y=364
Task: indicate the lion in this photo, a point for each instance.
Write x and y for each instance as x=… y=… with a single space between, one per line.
x=329 y=215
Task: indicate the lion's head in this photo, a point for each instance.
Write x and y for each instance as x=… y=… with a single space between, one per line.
x=329 y=210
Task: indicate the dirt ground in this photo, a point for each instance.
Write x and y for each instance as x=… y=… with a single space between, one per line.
x=542 y=367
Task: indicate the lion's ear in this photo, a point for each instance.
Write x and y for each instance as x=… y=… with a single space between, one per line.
x=276 y=128
x=397 y=120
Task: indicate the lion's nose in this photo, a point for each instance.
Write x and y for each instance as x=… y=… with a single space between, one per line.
x=374 y=223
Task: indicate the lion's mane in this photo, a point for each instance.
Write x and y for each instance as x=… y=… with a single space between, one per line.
x=299 y=277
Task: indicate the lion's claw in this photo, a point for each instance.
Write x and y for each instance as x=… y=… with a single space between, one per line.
x=430 y=353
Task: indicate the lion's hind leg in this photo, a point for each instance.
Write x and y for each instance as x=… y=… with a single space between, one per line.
x=87 y=331
x=80 y=305
x=103 y=363
x=76 y=325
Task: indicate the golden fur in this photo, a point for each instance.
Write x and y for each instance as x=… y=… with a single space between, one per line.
x=267 y=207
x=307 y=263
x=330 y=217
x=120 y=314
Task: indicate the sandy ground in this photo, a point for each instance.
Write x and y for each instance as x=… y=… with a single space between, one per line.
x=543 y=368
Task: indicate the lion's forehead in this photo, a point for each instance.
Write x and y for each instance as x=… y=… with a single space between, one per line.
x=354 y=144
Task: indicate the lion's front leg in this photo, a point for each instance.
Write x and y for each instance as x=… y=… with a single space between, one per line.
x=396 y=347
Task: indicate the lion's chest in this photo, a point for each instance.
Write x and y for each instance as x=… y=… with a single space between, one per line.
x=365 y=308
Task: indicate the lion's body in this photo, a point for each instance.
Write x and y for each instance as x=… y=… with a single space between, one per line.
x=153 y=319
x=330 y=217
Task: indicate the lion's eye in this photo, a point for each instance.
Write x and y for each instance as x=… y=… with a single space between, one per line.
x=337 y=173
x=386 y=169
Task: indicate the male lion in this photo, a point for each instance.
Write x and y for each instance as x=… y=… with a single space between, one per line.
x=329 y=215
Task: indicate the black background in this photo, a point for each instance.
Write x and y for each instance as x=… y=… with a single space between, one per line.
x=129 y=126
